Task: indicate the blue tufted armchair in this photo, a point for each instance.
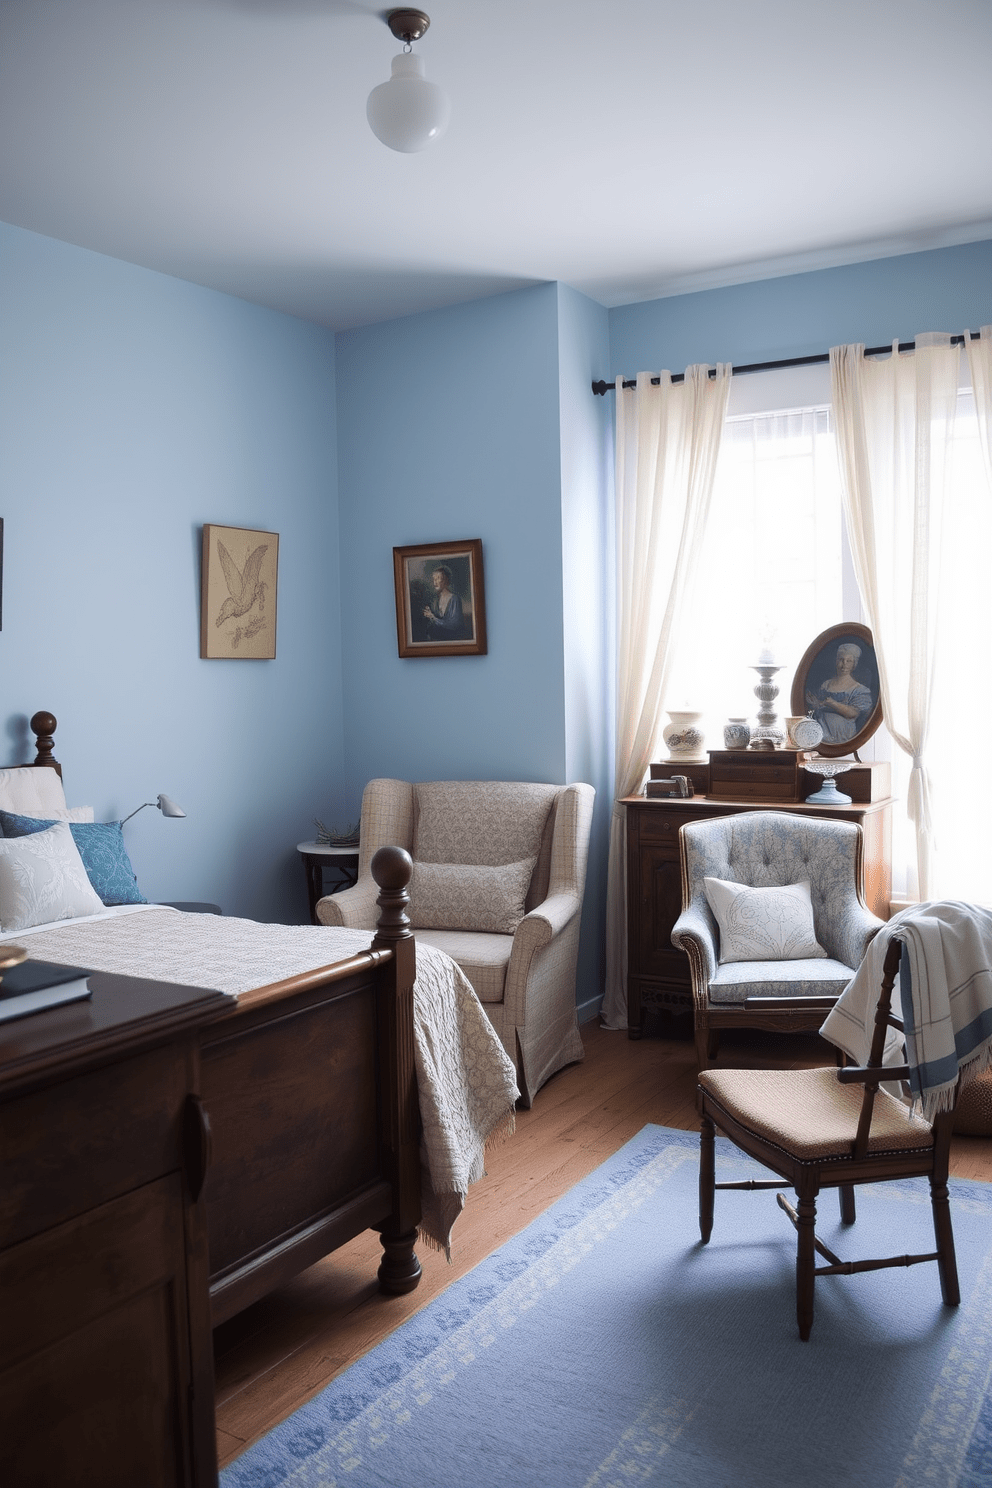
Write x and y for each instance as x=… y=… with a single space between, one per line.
x=762 y=849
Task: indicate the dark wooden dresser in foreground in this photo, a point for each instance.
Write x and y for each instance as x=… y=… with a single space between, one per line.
x=657 y=973
x=106 y=1368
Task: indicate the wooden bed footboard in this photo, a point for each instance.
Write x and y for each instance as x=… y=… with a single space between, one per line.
x=308 y=1123
x=310 y=1091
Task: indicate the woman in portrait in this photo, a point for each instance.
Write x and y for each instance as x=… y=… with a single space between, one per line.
x=443 y=613
x=842 y=703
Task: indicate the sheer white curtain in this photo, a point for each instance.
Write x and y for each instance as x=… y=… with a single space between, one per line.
x=667 y=443
x=895 y=421
x=980 y=362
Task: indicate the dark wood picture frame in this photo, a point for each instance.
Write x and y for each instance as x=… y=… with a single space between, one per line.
x=239 y=582
x=440 y=599
x=818 y=665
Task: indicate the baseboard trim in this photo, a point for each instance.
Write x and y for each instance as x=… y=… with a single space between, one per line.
x=586 y=1011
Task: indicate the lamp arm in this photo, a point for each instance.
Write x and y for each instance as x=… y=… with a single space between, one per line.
x=139 y=808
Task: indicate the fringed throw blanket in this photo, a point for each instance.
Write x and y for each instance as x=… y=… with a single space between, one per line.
x=945 y=983
x=466 y=1079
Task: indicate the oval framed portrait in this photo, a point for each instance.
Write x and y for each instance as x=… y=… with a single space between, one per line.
x=837 y=681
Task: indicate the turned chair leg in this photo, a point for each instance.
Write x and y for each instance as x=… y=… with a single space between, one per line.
x=702 y=1057
x=946 y=1260
x=707 y=1178
x=712 y=1044
x=805 y=1261
x=847 y=1209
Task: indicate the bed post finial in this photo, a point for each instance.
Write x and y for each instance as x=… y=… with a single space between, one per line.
x=391 y=868
x=43 y=726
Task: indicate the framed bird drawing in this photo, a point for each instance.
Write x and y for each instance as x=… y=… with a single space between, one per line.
x=238 y=593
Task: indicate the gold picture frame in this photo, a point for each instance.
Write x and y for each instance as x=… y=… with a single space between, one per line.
x=440 y=599
x=238 y=594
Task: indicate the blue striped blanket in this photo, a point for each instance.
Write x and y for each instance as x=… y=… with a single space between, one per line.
x=945 y=985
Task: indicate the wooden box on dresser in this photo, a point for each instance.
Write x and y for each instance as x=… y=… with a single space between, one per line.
x=657 y=973
x=106 y=1366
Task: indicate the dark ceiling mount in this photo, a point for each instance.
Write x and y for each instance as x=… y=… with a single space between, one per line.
x=408 y=25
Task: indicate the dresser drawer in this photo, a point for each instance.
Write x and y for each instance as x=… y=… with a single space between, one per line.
x=88 y=1139
x=662 y=825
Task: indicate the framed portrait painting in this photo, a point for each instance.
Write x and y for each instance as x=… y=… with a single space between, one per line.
x=837 y=681
x=238 y=594
x=440 y=599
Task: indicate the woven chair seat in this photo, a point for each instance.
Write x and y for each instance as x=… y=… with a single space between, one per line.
x=809 y=1114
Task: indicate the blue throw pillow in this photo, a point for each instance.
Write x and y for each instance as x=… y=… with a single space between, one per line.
x=101 y=847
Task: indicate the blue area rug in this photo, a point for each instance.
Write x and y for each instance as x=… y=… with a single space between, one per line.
x=604 y=1347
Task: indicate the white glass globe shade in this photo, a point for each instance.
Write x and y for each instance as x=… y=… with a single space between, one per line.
x=408 y=112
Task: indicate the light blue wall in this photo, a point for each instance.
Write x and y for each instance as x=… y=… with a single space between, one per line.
x=133 y=408
x=587 y=568
x=448 y=429
x=478 y=422
x=946 y=289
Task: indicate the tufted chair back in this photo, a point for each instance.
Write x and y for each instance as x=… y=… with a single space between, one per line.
x=769 y=849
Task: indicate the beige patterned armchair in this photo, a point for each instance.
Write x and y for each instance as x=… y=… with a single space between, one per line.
x=499 y=873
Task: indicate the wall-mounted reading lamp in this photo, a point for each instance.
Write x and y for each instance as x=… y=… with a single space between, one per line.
x=165 y=804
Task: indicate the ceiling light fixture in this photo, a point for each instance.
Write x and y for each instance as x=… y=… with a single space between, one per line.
x=408 y=112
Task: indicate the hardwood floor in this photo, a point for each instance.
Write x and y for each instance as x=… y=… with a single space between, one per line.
x=276 y=1355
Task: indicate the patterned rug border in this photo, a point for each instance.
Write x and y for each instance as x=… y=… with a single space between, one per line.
x=377 y=1395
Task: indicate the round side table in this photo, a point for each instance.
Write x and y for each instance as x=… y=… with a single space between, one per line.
x=317 y=856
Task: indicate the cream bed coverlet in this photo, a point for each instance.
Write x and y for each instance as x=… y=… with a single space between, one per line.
x=466 y=1080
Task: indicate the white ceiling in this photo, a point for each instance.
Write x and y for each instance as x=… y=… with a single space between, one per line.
x=631 y=148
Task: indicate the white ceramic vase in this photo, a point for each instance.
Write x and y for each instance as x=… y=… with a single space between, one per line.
x=683 y=737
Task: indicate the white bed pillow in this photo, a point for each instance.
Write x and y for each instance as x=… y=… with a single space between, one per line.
x=42 y=878
x=460 y=896
x=36 y=790
x=774 y=924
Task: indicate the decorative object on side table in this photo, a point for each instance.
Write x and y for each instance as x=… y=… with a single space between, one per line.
x=683 y=737
x=736 y=733
x=440 y=599
x=767 y=734
x=837 y=681
x=828 y=794
x=337 y=836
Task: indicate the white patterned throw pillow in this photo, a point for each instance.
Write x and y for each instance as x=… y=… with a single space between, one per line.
x=763 y=924
x=42 y=878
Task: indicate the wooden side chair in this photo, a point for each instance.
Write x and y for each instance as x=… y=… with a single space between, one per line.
x=830 y=1128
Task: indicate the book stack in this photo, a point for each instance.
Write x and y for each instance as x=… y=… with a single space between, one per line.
x=34 y=985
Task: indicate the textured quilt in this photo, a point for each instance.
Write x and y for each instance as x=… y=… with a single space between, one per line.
x=466 y=1080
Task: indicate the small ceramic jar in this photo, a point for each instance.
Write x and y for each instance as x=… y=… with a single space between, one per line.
x=736 y=733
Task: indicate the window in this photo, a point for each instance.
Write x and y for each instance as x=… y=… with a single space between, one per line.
x=772 y=574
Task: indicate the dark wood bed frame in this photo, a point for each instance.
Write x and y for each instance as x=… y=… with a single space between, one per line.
x=308 y=1117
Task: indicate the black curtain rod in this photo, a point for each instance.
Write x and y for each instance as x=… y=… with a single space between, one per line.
x=602 y=388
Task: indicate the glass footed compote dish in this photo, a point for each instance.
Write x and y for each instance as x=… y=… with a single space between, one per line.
x=828 y=794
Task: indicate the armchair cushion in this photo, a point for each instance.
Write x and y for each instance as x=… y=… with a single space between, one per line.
x=482 y=957
x=735 y=981
x=773 y=924
x=460 y=896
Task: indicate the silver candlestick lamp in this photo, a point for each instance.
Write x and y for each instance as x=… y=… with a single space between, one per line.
x=767 y=733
